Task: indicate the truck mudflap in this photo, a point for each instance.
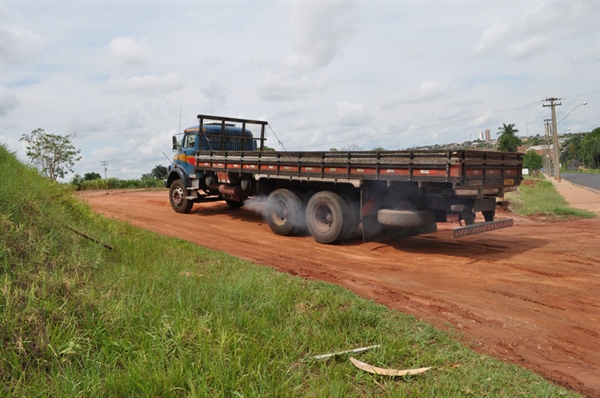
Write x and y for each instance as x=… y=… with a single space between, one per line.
x=481 y=227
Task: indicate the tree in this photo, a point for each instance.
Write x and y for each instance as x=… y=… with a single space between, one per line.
x=159 y=172
x=76 y=180
x=571 y=153
x=533 y=162
x=508 y=141
x=590 y=148
x=55 y=155
x=91 y=176
x=351 y=148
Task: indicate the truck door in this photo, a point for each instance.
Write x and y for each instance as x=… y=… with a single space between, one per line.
x=188 y=146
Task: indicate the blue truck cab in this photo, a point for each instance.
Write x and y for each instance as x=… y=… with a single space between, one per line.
x=213 y=137
x=212 y=133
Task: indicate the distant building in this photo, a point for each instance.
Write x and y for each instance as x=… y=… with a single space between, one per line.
x=488 y=137
x=481 y=136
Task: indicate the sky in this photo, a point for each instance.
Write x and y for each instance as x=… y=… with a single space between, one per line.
x=127 y=75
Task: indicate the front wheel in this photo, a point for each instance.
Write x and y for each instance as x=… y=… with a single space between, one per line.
x=177 y=197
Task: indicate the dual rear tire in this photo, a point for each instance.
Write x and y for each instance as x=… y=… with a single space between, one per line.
x=285 y=212
x=331 y=217
x=328 y=216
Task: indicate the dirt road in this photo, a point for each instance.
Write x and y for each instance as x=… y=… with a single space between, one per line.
x=529 y=294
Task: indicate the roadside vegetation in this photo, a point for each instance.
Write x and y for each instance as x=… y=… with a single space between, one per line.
x=538 y=197
x=581 y=150
x=93 y=180
x=147 y=315
x=115 y=183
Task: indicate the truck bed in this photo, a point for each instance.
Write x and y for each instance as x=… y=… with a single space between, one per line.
x=476 y=172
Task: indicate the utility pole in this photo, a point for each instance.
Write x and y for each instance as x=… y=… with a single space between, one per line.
x=104 y=164
x=553 y=106
x=547 y=140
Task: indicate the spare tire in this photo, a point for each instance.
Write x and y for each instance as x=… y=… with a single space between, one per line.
x=406 y=218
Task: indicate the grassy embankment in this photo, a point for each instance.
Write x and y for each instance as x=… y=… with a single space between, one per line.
x=539 y=197
x=162 y=317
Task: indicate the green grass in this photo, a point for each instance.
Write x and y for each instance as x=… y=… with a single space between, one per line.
x=540 y=198
x=161 y=317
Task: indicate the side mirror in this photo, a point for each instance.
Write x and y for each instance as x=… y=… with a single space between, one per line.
x=174 y=143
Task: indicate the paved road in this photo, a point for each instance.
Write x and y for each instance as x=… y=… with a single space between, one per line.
x=586 y=180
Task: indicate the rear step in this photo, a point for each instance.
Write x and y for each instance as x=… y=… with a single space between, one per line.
x=481 y=227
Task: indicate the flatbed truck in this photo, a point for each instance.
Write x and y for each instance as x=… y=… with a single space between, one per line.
x=339 y=195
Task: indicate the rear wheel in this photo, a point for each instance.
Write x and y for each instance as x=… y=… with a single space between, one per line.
x=177 y=197
x=285 y=212
x=326 y=215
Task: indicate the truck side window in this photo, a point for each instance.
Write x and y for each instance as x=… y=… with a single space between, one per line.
x=190 y=141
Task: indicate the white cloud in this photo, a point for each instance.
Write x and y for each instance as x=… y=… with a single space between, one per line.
x=145 y=84
x=589 y=55
x=86 y=126
x=8 y=102
x=148 y=153
x=288 y=86
x=524 y=48
x=427 y=91
x=19 y=44
x=215 y=89
x=353 y=114
x=483 y=120
x=561 y=18
x=156 y=144
x=256 y=61
x=492 y=37
x=319 y=31
x=129 y=50
x=532 y=31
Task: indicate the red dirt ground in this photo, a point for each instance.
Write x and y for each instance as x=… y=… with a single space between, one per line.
x=529 y=294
